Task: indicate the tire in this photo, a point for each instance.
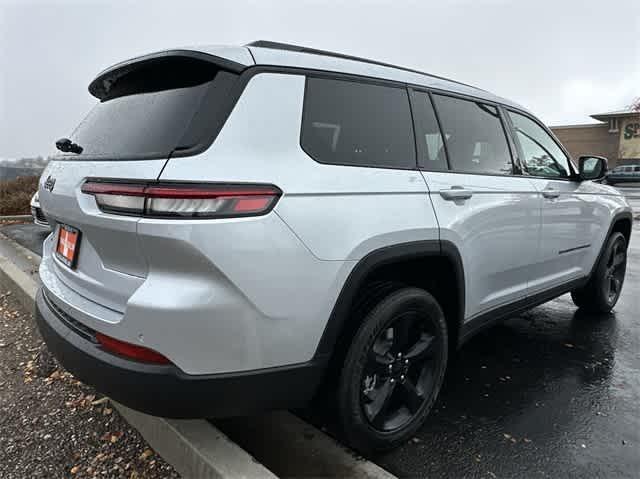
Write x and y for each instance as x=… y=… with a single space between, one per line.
x=602 y=291
x=393 y=371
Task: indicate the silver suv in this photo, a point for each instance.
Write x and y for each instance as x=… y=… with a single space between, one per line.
x=234 y=227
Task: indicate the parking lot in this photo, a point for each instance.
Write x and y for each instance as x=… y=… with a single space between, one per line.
x=551 y=392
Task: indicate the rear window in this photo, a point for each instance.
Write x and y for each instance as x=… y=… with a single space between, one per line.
x=156 y=108
x=358 y=124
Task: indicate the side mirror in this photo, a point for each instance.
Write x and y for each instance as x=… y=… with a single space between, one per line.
x=592 y=167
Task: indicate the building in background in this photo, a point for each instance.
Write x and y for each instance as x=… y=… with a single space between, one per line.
x=616 y=137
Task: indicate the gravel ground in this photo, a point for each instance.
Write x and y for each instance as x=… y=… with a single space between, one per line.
x=51 y=425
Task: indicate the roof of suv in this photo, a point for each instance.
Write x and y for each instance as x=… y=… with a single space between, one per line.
x=293 y=56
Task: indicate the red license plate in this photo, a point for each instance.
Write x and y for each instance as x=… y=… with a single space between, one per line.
x=68 y=245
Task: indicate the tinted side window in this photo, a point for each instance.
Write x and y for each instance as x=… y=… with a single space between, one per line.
x=351 y=123
x=476 y=140
x=541 y=154
x=431 y=153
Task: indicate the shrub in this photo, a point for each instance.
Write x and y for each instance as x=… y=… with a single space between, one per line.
x=16 y=194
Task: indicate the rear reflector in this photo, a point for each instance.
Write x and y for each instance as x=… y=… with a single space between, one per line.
x=183 y=200
x=130 y=351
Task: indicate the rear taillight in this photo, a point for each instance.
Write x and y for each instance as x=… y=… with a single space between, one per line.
x=130 y=351
x=183 y=200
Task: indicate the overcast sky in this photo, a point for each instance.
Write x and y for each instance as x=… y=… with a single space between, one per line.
x=562 y=59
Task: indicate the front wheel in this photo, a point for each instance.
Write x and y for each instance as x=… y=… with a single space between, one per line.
x=603 y=290
x=393 y=371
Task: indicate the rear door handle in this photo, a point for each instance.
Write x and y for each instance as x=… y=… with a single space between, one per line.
x=550 y=193
x=456 y=193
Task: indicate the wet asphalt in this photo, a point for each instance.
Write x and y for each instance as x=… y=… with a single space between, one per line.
x=28 y=235
x=549 y=393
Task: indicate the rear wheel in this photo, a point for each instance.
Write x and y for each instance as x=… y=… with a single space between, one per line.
x=393 y=371
x=603 y=290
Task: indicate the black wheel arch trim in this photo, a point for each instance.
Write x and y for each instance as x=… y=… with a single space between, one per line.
x=381 y=257
x=624 y=215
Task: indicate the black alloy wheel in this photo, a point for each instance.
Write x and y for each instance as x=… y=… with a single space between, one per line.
x=602 y=291
x=400 y=371
x=393 y=371
x=615 y=271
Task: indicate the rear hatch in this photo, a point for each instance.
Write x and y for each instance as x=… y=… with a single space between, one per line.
x=149 y=110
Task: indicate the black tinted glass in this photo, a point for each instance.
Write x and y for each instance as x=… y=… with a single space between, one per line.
x=351 y=123
x=173 y=109
x=476 y=141
x=431 y=152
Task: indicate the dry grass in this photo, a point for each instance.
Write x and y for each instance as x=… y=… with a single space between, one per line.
x=16 y=194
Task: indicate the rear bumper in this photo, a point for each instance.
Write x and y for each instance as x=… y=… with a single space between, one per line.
x=164 y=390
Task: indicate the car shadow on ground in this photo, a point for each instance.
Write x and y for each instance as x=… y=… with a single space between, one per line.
x=532 y=385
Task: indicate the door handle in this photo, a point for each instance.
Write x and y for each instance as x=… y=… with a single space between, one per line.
x=456 y=193
x=550 y=193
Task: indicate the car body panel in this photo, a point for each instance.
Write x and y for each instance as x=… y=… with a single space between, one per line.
x=361 y=208
x=214 y=306
x=110 y=262
x=573 y=227
x=496 y=232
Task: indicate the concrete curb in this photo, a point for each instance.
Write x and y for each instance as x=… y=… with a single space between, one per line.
x=16 y=280
x=295 y=445
x=196 y=449
x=16 y=218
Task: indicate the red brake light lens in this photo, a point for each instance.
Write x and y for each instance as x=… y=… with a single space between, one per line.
x=130 y=351
x=183 y=200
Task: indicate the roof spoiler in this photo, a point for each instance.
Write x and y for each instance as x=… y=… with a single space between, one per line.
x=102 y=84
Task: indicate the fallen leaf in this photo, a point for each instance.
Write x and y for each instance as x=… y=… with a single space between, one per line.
x=146 y=454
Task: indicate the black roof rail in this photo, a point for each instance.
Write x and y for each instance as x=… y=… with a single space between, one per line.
x=301 y=49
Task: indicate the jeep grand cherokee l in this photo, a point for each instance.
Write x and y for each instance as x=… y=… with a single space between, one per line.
x=235 y=226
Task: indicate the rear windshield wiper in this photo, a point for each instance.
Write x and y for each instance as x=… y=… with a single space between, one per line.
x=66 y=145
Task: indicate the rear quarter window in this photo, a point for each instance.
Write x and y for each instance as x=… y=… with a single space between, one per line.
x=357 y=124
